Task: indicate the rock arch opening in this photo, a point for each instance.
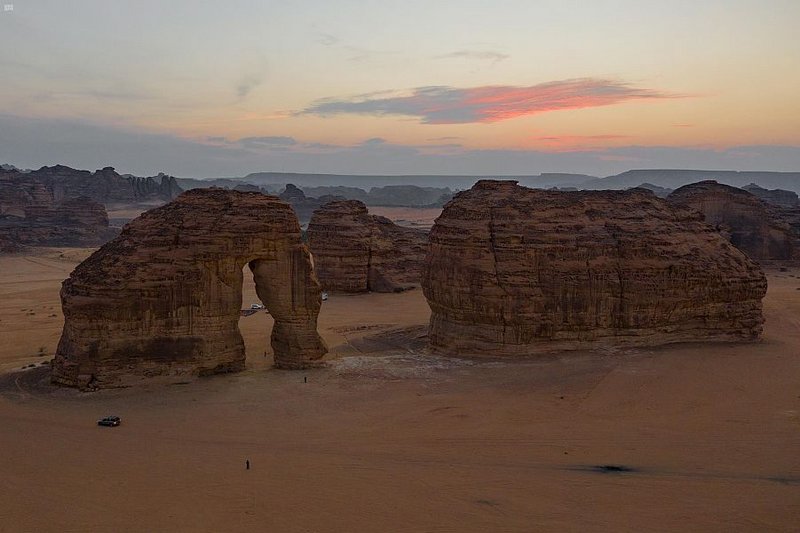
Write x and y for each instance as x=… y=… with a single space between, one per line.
x=164 y=298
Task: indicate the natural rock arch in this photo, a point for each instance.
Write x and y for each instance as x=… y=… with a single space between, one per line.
x=163 y=298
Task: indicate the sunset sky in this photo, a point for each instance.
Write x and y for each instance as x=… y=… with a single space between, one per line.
x=197 y=88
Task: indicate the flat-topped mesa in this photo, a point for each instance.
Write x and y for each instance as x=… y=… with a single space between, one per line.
x=164 y=297
x=516 y=271
x=358 y=252
x=750 y=224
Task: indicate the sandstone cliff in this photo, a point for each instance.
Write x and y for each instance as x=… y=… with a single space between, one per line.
x=61 y=206
x=30 y=216
x=163 y=298
x=358 y=252
x=105 y=185
x=751 y=225
x=513 y=271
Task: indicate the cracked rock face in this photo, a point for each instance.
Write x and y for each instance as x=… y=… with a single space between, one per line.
x=163 y=298
x=30 y=216
x=750 y=224
x=514 y=271
x=358 y=252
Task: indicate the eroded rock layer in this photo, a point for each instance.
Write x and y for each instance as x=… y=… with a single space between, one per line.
x=163 y=298
x=512 y=271
x=31 y=216
x=751 y=225
x=358 y=252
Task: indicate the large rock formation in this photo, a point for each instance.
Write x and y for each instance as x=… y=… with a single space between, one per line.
x=18 y=191
x=30 y=216
x=358 y=252
x=513 y=271
x=106 y=185
x=751 y=225
x=61 y=206
x=163 y=298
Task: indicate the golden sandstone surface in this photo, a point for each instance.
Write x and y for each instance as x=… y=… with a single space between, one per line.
x=164 y=297
x=513 y=271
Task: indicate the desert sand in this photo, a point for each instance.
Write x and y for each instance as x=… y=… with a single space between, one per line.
x=387 y=438
x=416 y=217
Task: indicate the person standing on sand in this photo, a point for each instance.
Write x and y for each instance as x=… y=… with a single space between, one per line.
x=247 y=464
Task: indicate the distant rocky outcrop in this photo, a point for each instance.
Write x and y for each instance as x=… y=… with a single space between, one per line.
x=18 y=191
x=750 y=224
x=389 y=195
x=514 y=271
x=346 y=193
x=160 y=187
x=358 y=252
x=776 y=197
x=304 y=206
x=163 y=298
x=246 y=187
x=408 y=195
x=61 y=206
x=105 y=185
x=30 y=216
x=674 y=178
x=661 y=192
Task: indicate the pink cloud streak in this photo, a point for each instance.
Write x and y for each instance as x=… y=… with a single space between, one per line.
x=449 y=105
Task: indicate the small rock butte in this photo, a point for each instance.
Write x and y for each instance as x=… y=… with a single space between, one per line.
x=358 y=252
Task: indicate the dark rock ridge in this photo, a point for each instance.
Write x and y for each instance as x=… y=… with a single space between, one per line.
x=30 y=216
x=776 y=197
x=515 y=271
x=160 y=187
x=163 y=298
x=358 y=252
x=674 y=178
x=661 y=192
x=750 y=224
x=106 y=185
x=303 y=205
x=61 y=206
x=390 y=195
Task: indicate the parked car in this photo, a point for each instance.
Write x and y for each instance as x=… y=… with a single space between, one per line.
x=324 y=296
x=109 y=421
x=257 y=306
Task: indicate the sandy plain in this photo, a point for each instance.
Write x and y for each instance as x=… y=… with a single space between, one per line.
x=387 y=438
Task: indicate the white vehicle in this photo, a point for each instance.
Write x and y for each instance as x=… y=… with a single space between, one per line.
x=324 y=296
x=257 y=306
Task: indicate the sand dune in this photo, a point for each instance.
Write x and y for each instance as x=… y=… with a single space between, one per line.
x=389 y=439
